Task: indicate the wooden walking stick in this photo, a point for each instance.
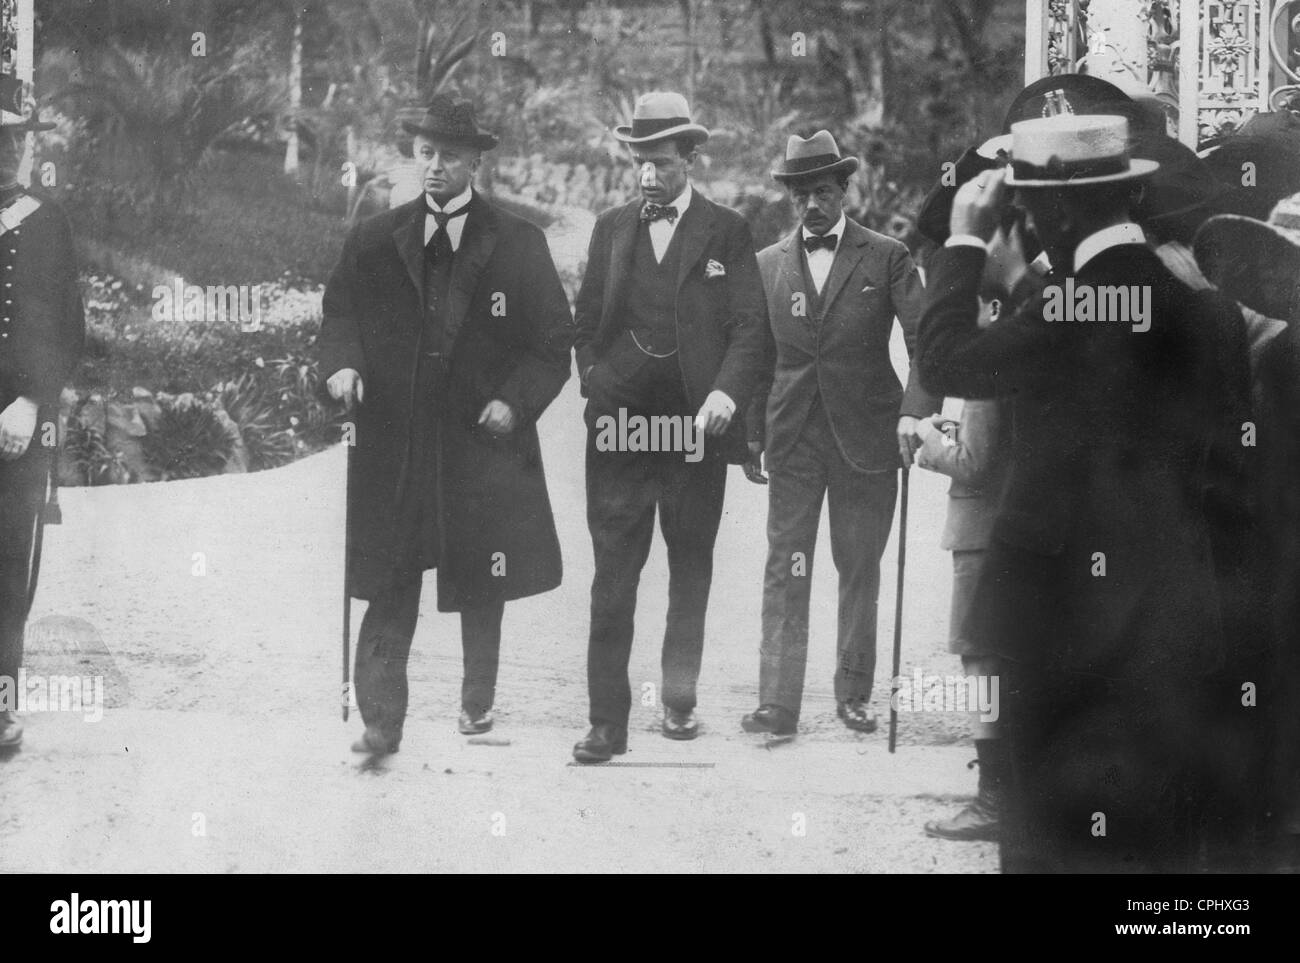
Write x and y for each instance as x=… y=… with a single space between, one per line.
x=898 y=608
x=347 y=581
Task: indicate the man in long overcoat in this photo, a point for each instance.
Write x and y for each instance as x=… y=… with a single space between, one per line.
x=446 y=324
x=42 y=327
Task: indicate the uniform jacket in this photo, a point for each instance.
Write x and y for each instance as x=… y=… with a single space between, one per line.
x=841 y=353
x=508 y=334
x=42 y=323
x=720 y=310
x=42 y=329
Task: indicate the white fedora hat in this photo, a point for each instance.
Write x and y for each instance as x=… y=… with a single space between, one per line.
x=1073 y=150
x=658 y=115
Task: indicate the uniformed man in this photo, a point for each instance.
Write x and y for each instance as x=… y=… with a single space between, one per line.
x=42 y=326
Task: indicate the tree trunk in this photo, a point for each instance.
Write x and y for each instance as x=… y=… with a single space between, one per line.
x=295 y=95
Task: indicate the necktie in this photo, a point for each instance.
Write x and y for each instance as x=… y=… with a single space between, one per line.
x=656 y=212
x=824 y=242
x=440 y=243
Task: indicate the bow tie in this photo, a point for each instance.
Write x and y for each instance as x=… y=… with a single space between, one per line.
x=442 y=217
x=824 y=241
x=655 y=212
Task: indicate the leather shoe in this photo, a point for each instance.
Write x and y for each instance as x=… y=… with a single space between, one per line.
x=777 y=720
x=11 y=733
x=375 y=742
x=979 y=820
x=855 y=715
x=603 y=741
x=473 y=725
x=680 y=725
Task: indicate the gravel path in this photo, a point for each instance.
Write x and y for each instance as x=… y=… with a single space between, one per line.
x=222 y=749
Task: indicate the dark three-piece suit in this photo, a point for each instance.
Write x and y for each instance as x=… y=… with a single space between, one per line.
x=658 y=337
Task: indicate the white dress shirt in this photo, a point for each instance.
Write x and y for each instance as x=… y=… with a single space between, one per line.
x=820 y=260
x=455 y=226
x=661 y=231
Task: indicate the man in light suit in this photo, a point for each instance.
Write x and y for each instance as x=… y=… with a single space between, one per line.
x=669 y=324
x=835 y=423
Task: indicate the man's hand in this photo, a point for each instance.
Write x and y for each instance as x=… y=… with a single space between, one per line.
x=498 y=418
x=908 y=440
x=17 y=425
x=715 y=414
x=754 y=467
x=976 y=208
x=345 y=385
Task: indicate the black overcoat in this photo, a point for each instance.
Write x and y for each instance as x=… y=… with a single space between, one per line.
x=1100 y=585
x=508 y=334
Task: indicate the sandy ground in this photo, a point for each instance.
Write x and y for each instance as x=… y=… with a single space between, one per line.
x=221 y=748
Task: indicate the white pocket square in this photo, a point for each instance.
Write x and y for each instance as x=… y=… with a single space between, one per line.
x=714 y=269
x=868 y=287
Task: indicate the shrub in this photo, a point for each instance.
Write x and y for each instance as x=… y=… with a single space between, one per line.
x=188 y=440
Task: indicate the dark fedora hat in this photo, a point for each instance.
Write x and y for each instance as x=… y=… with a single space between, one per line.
x=808 y=157
x=448 y=119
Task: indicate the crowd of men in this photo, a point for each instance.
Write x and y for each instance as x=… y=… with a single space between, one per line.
x=1102 y=359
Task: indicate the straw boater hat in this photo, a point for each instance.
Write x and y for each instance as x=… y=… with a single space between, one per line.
x=447 y=119
x=659 y=115
x=18 y=107
x=1069 y=150
x=815 y=155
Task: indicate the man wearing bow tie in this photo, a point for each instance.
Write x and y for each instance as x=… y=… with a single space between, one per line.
x=447 y=327
x=835 y=423
x=670 y=322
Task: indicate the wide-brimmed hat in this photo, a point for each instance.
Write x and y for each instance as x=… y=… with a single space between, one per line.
x=1270 y=144
x=808 y=157
x=1229 y=245
x=1071 y=150
x=18 y=107
x=452 y=120
x=658 y=115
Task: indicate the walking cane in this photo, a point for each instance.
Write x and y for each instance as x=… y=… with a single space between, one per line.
x=898 y=608
x=347 y=581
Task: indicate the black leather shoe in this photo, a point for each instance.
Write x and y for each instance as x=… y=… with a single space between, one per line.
x=680 y=725
x=473 y=725
x=375 y=742
x=602 y=742
x=11 y=733
x=855 y=715
x=777 y=720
